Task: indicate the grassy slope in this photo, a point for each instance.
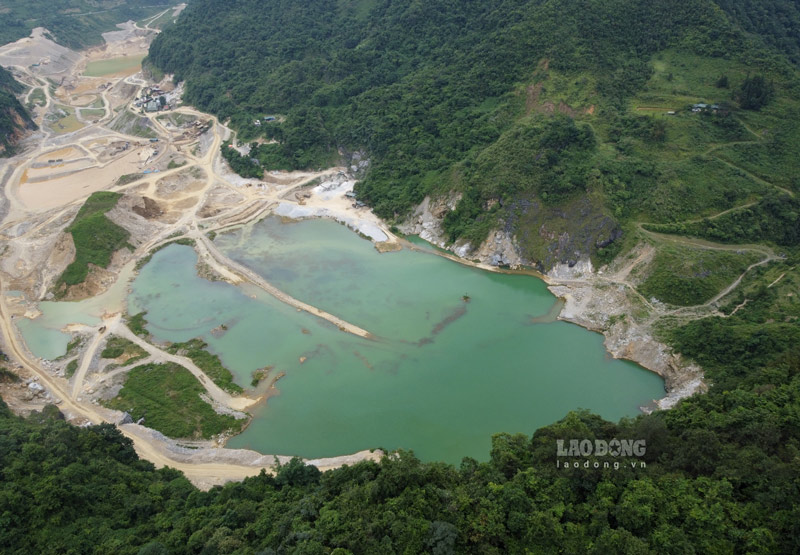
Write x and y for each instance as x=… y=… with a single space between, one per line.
x=96 y=237
x=687 y=276
x=699 y=176
x=119 y=346
x=195 y=349
x=168 y=397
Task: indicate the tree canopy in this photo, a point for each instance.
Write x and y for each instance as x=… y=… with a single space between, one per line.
x=441 y=94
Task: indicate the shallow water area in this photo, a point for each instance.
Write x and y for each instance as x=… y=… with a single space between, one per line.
x=44 y=334
x=459 y=353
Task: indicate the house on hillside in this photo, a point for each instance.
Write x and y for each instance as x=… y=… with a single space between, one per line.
x=706 y=108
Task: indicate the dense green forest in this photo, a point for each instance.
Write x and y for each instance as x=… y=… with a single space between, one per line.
x=14 y=119
x=523 y=106
x=73 y=23
x=776 y=21
x=722 y=475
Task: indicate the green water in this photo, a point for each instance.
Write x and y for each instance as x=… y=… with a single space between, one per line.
x=44 y=335
x=442 y=376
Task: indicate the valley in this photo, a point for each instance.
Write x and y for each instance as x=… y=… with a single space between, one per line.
x=340 y=278
x=173 y=188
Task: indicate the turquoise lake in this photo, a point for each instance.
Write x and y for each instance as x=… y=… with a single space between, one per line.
x=443 y=373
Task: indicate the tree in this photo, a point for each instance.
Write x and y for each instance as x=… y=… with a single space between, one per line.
x=755 y=92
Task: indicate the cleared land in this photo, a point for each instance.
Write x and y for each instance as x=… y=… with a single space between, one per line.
x=125 y=65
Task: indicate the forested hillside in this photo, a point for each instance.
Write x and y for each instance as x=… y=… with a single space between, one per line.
x=530 y=109
x=73 y=23
x=14 y=120
x=776 y=21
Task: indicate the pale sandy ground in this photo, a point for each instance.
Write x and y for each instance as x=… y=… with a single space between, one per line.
x=42 y=200
x=55 y=61
x=67 y=153
x=329 y=200
x=52 y=193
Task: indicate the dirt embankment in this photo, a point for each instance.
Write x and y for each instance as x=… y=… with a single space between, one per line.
x=21 y=126
x=37 y=251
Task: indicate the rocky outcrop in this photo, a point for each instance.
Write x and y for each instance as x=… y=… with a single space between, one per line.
x=426 y=221
x=356 y=162
x=613 y=309
x=500 y=250
x=530 y=233
x=549 y=235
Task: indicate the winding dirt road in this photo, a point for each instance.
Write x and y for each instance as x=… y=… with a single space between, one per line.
x=256 y=203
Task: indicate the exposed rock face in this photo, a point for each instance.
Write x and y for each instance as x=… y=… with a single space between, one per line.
x=562 y=234
x=357 y=162
x=15 y=123
x=499 y=249
x=611 y=309
x=426 y=221
x=126 y=419
x=530 y=234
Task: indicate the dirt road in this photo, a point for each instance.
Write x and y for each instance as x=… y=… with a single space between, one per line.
x=47 y=207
